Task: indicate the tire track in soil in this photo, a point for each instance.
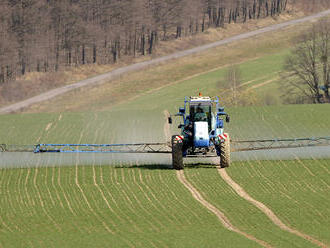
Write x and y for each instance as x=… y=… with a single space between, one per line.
x=223 y=219
x=268 y=212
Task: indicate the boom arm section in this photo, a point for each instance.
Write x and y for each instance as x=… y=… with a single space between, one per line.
x=165 y=148
x=105 y=148
x=268 y=144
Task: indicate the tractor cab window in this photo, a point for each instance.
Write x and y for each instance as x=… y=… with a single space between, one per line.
x=200 y=112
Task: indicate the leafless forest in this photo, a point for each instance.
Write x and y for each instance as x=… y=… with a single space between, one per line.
x=307 y=69
x=47 y=35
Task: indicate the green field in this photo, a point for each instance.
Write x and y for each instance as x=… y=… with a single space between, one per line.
x=298 y=199
x=297 y=191
x=104 y=206
x=142 y=205
x=147 y=125
x=146 y=206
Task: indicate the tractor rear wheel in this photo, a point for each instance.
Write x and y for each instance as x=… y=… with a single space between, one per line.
x=225 y=153
x=177 y=159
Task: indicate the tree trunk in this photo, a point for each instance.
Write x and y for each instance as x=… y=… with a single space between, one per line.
x=94 y=53
x=83 y=54
x=143 y=43
x=178 y=32
x=203 y=23
x=2 y=75
x=151 y=42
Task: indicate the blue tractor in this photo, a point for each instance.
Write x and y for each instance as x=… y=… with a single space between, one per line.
x=202 y=131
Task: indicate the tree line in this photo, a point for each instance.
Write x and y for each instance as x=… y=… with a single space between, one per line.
x=306 y=73
x=47 y=35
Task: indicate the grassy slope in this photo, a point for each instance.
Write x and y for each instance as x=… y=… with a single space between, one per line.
x=105 y=206
x=34 y=83
x=261 y=59
x=264 y=68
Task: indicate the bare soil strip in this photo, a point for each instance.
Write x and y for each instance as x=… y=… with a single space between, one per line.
x=263 y=84
x=270 y=214
x=224 y=220
x=142 y=65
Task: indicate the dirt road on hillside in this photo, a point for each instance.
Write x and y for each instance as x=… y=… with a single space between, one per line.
x=142 y=65
x=270 y=214
x=224 y=220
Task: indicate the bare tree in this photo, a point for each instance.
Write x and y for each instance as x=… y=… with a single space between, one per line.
x=307 y=68
x=232 y=91
x=233 y=78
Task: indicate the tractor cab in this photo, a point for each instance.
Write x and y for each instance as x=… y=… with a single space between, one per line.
x=200 y=119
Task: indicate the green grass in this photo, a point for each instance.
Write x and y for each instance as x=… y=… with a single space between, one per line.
x=105 y=207
x=258 y=71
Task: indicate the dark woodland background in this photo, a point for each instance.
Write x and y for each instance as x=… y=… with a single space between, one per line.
x=46 y=35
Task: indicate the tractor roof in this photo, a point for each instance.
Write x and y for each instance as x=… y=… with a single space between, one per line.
x=200 y=99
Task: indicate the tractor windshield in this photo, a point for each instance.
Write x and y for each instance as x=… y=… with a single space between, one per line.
x=200 y=112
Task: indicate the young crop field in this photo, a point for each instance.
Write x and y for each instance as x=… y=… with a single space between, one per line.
x=147 y=125
x=297 y=198
x=47 y=201
x=297 y=191
x=107 y=206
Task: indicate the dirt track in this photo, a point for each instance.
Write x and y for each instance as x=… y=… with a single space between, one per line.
x=138 y=66
x=224 y=220
x=270 y=214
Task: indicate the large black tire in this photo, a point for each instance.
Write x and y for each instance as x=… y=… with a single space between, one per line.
x=225 y=153
x=177 y=159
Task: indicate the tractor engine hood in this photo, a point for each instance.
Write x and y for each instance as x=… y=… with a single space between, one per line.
x=201 y=131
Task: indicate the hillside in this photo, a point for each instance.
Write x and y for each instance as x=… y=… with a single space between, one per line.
x=118 y=87
x=260 y=60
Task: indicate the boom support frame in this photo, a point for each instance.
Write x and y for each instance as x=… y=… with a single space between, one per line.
x=105 y=148
x=165 y=148
x=270 y=144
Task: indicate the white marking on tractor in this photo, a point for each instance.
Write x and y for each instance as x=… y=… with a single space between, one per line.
x=223 y=136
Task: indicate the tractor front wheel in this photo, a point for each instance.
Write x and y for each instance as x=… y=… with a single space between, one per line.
x=177 y=159
x=225 y=153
